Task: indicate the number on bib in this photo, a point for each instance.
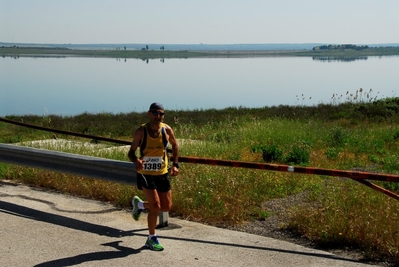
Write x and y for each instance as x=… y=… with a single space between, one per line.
x=152 y=163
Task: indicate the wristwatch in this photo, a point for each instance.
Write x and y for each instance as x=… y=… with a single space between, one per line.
x=176 y=164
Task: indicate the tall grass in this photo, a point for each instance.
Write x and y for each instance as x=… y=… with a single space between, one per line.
x=349 y=214
x=360 y=136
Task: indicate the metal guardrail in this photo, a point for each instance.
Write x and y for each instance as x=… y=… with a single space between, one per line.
x=94 y=167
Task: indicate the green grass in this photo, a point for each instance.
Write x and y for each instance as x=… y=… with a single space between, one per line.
x=357 y=134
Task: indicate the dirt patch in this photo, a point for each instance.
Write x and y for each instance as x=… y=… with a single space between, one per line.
x=273 y=226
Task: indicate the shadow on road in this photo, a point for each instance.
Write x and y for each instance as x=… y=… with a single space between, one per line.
x=121 y=251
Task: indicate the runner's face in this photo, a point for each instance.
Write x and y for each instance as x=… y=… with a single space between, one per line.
x=156 y=115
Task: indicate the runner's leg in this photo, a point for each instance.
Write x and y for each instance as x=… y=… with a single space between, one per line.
x=153 y=205
x=166 y=200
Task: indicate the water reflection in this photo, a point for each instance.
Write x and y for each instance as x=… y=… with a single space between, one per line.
x=73 y=85
x=339 y=58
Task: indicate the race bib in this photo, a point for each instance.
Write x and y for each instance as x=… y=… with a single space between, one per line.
x=152 y=164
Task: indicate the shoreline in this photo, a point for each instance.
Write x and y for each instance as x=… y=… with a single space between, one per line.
x=150 y=54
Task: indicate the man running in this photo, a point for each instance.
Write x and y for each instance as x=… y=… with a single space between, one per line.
x=152 y=139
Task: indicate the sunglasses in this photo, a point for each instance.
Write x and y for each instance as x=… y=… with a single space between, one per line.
x=156 y=113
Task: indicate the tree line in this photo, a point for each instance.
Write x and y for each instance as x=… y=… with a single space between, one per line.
x=340 y=47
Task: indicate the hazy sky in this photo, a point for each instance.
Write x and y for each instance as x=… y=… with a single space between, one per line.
x=201 y=21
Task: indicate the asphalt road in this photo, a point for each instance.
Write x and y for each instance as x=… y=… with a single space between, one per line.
x=41 y=228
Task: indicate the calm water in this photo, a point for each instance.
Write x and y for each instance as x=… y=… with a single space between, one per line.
x=73 y=85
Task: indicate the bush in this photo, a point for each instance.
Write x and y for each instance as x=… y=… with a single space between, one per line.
x=298 y=156
x=337 y=137
x=272 y=153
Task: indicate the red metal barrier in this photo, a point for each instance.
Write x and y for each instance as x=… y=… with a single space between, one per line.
x=355 y=175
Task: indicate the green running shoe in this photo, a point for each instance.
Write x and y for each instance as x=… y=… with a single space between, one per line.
x=153 y=244
x=136 y=211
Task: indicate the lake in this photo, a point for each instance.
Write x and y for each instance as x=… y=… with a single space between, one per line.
x=73 y=85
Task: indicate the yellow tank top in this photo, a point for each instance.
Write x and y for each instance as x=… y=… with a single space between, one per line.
x=153 y=152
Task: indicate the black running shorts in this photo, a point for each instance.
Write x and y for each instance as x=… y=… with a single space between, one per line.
x=159 y=182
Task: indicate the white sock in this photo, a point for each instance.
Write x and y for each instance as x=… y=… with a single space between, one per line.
x=140 y=205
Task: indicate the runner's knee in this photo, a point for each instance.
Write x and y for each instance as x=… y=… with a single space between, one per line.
x=156 y=206
x=165 y=207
